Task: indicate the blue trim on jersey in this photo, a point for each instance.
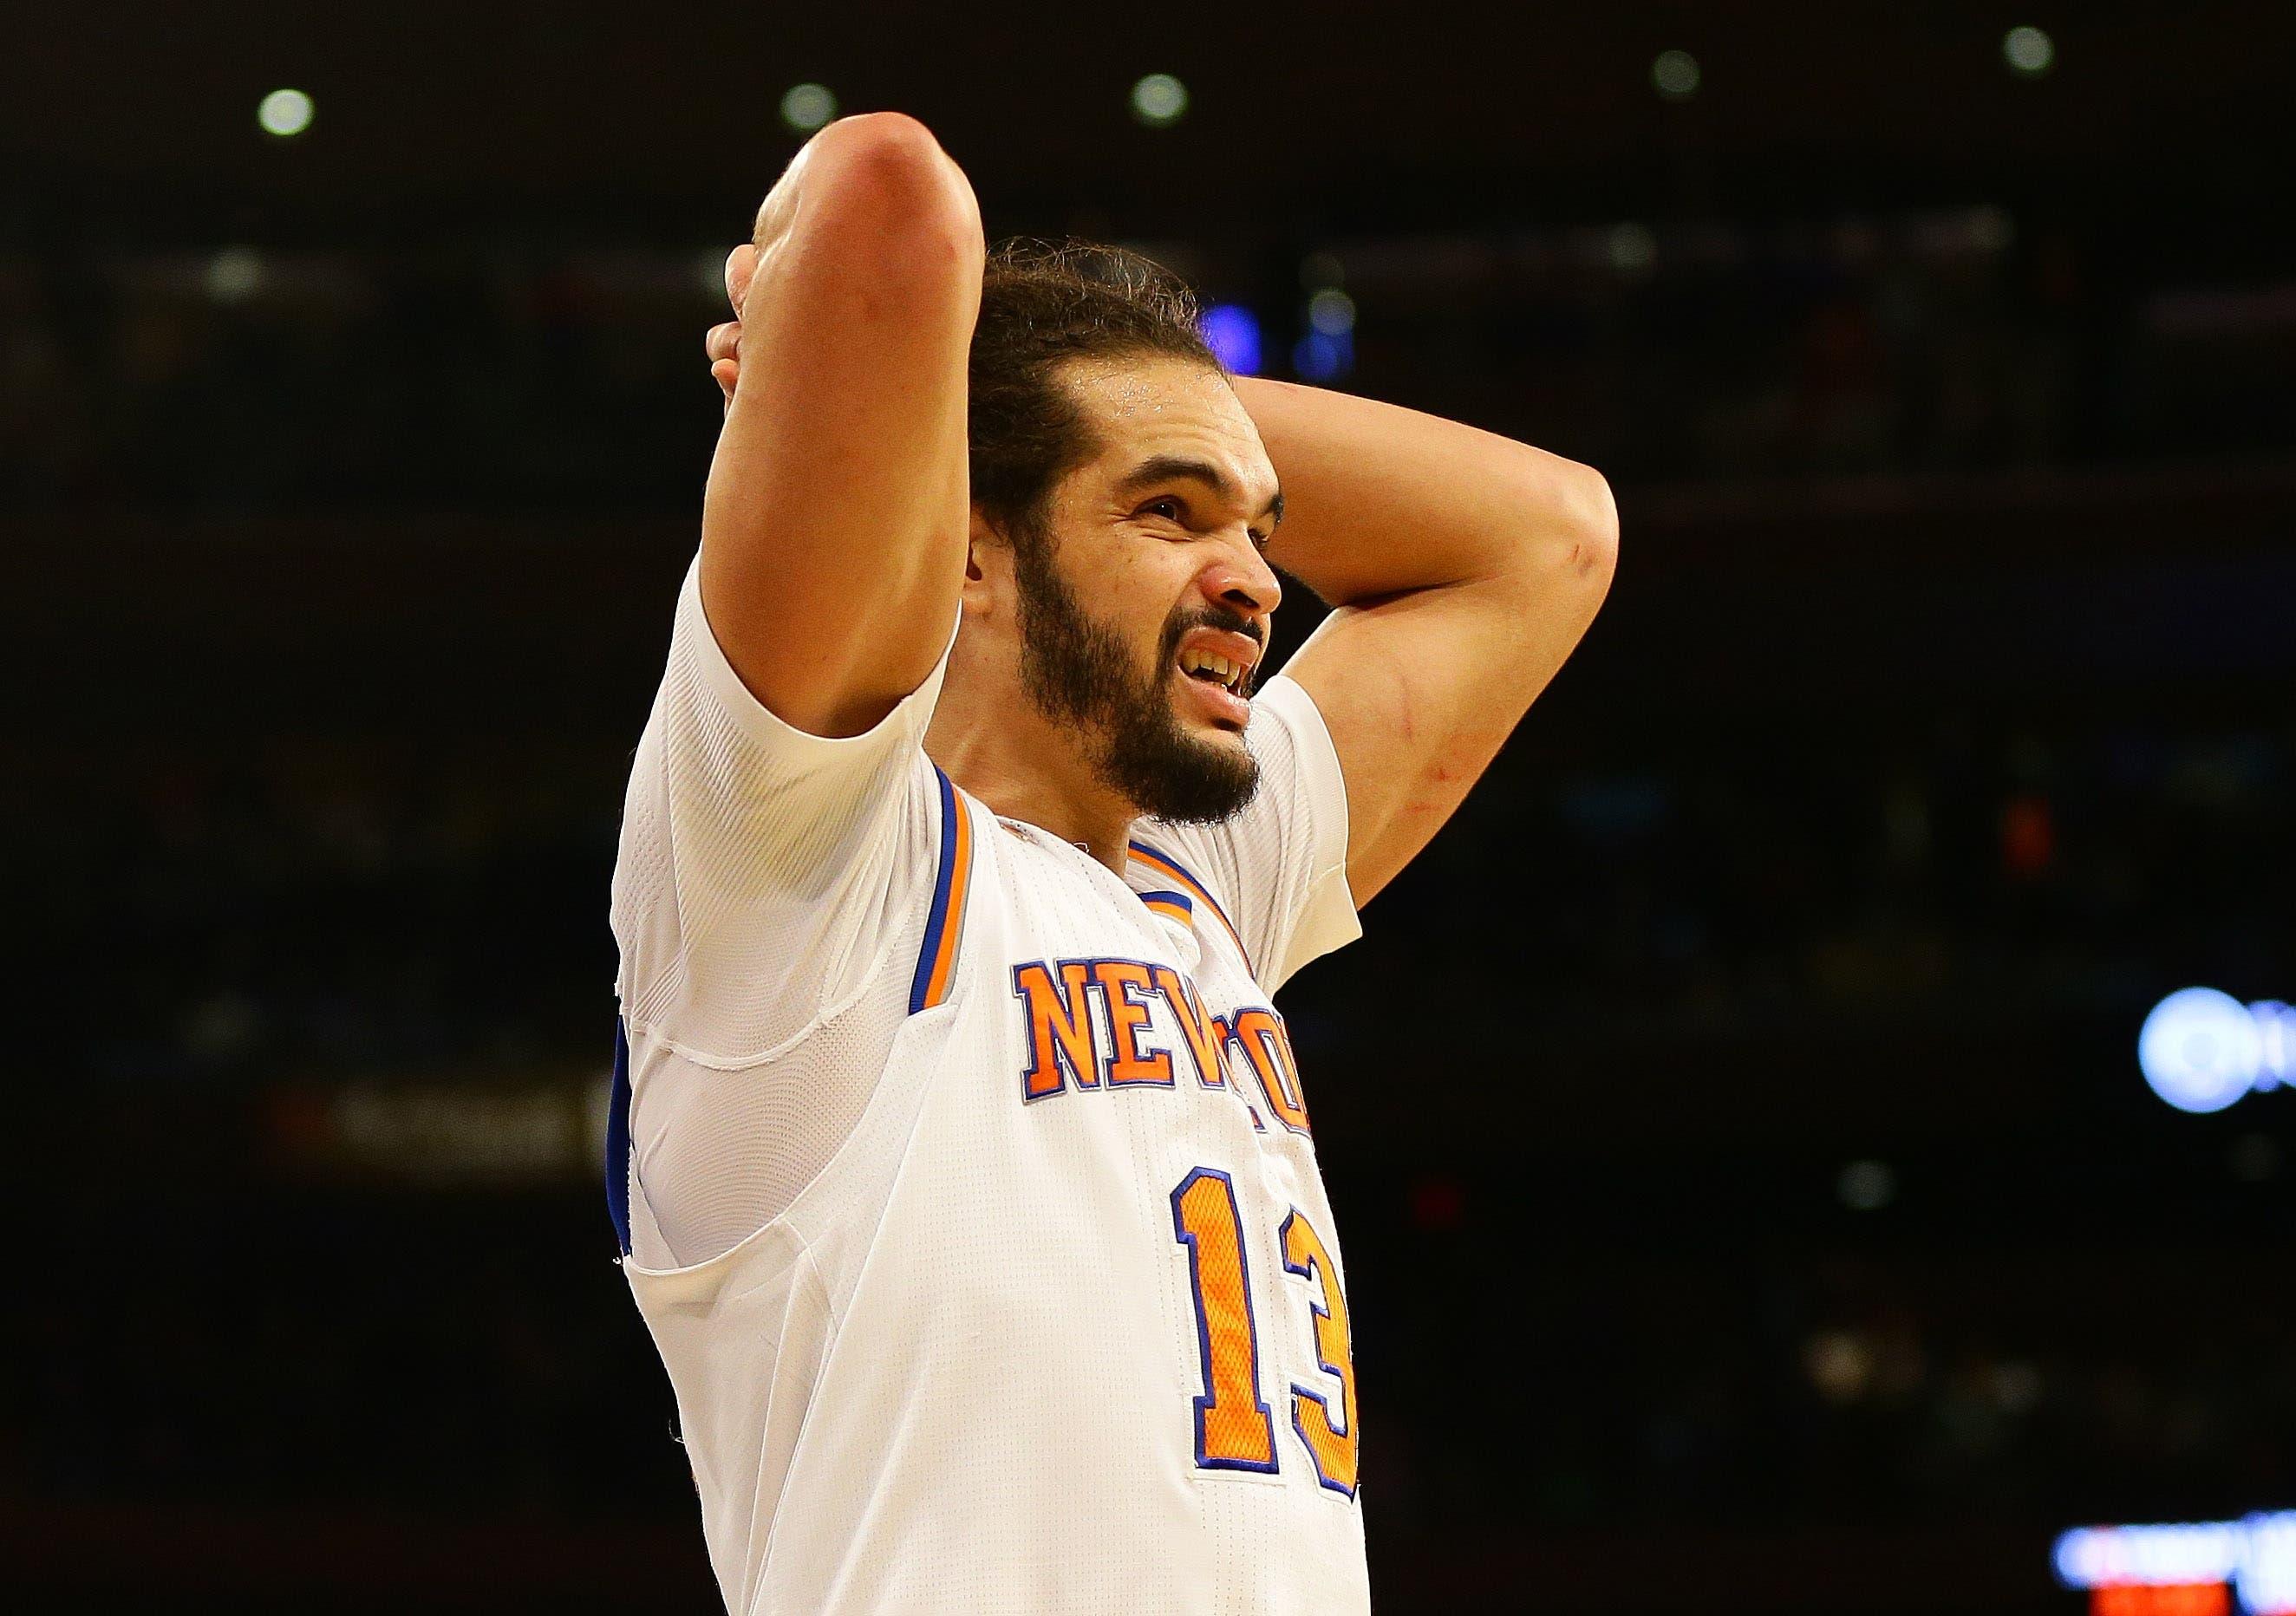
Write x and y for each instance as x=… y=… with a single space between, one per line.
x=1164 y=864
x=618 y=1140
x=937 y=920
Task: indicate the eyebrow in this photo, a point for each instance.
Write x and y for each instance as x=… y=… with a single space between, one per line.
x=1179 y=468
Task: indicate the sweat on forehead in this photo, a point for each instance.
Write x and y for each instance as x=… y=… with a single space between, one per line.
x=1148 y=381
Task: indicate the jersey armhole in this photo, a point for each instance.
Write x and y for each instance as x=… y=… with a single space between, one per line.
x=936 y=969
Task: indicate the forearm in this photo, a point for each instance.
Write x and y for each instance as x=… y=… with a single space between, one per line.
x=833 y=525
x=1379 y=500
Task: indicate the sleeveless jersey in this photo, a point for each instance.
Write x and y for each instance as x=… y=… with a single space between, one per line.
x=967 y=1188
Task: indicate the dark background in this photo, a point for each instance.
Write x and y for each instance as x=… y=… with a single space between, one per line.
x=1750 y=1200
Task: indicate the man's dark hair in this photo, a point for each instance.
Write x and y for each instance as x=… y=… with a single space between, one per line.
x=1043 y=304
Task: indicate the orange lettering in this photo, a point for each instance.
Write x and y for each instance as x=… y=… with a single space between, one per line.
x=1202 y=1032
x=1060 y=1029
x=1119 y=981
x=1269 y=1050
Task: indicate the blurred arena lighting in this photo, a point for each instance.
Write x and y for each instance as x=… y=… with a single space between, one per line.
x=1840 y=1365
x=2200 y=1050
x=1327 y=350
x=1867 y=1187
x=1632 y=248
x=2029 y=50
x=234 y=274
x=1318 y=270
x=1320 y=356
x=1991 y=229
x=2016 y=1387
x=2255 y=1555
x=1438 y=1203
x=1332 y=312
x=538 y=1130
x=1233 y=331
x=284 y=112
x=807 y=106
x=1675 y=74
x=710 y=272
x=1159 y=101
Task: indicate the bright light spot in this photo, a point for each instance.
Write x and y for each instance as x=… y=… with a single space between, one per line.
x=1160 y=100
x=807 y=106
x=2267 y=1578
x=1232 y=332
x=234 y=274
x=2200 y=1050
x=1840 y=1364
x=1675 y=74
x=2256 y=1553
x=1318 y=270
x=284 y=112
x=1632 y=248
x=1867 y=1187
x=2029 y=50
x=1332 y=312
x=1320 y=356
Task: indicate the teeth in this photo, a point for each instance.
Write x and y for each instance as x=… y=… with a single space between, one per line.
x=1226 y=672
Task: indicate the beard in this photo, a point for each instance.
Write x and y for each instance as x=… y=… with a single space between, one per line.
x=1076 y=669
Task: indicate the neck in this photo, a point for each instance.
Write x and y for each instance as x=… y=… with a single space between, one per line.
x=1027 y=768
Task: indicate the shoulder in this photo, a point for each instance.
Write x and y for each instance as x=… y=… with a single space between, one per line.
x=1275 y=871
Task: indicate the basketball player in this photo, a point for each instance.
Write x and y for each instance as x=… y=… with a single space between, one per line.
x=963 y=1167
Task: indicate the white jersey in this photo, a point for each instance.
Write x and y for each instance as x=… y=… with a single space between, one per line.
x=967 y=1188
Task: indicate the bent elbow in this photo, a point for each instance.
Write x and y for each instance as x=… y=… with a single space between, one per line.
x=1579 y=529
x=1594 y=525
x=891 y=183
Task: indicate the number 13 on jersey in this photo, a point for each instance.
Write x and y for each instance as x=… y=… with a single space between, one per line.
x=1234 y=1430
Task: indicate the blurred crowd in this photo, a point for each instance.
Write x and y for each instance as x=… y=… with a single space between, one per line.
x=1752 y=1293
x=417 y=904
x=1698 y=1330
x=242 y=378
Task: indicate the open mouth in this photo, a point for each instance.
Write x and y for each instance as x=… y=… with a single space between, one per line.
x=1209 y=667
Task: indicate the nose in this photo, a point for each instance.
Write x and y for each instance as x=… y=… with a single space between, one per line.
x=1242 y=580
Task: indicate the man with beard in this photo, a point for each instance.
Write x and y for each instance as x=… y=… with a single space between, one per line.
x=961 y=1161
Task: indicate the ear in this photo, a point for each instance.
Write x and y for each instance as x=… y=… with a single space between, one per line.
x=987 y=568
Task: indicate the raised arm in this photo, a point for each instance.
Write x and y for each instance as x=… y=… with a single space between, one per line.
x=1463 y=568
x=833 y=532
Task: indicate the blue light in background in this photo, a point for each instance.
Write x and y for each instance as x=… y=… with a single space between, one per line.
x=1233 y=331
x=2256 y=1555
x=1328 y=349
x=2200 y=1050
x=1324 y=356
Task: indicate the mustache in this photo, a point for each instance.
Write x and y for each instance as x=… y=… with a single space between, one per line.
x=1224 y=617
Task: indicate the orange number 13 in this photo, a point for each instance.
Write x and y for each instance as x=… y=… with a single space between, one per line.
x=1233 y=1428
